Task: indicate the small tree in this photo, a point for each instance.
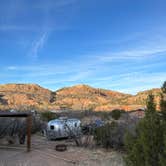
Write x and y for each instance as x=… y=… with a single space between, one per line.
x=163 y=114
x=163 y=156
x=145 y=148
x=116 y=114
x=164 y=88
x=163 y=101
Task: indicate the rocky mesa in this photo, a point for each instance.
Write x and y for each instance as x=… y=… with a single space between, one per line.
x=78 y=97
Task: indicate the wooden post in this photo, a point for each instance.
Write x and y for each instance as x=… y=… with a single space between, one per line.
x=29 y=126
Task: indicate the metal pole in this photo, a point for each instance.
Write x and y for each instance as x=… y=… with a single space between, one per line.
x=29 y=126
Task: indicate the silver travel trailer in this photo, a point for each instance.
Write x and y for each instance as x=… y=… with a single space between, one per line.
x=63 y=127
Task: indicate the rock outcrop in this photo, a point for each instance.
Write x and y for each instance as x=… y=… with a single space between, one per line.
x=79 y=97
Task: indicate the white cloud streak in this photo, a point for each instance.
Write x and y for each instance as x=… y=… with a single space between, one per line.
x=15 y=8
x=131 y=55
x=140 y=69
x=37 y=45
x=132 y=82
x=55 y=4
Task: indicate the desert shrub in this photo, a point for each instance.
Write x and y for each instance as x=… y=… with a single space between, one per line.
x=102 y=135
x=47 y=116
x=104 y=115
x=36 y=124
x=110 y=135
x=88 y=113
x=116 y=114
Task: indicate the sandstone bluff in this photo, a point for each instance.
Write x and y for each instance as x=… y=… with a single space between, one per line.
x=78 y=97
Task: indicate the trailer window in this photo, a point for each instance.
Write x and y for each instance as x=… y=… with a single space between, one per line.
x=52 y=127
x=75 y=124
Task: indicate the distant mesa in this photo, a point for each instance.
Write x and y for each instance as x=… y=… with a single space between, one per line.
x=78 y=97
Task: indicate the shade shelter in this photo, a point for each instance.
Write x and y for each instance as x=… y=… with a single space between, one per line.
x=28 y=117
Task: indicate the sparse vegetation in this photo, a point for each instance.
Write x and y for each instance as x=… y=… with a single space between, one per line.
x=116 y=113
x=103 y=135
x=79 y=97
x=147 y=146
x=163 y=113
x=47 y=116
x=111 y=135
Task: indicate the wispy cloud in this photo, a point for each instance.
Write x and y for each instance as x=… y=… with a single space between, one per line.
x=70 y=78
x=9 y=27
x=11 y=68
x=129 y=70
x=131 y=82
x=37 y=45
x=55 y=4
x=131 y=55
x=31 y=28
x=12 y=10
x=143 y=81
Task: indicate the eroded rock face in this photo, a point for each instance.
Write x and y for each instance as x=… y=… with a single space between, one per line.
x=79 y=97
x=22 y=96
x=84 y=97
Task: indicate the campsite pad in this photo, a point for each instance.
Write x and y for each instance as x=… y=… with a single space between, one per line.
x=43 y=153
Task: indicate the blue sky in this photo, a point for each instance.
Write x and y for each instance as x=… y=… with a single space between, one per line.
x=113 y=44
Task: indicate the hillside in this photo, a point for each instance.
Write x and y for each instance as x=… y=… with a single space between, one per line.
x=23 y=96
x=79 y=97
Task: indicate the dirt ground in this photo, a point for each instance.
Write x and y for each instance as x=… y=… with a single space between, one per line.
x=43 y=153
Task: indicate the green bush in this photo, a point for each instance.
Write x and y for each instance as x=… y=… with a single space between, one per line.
x=116 y=114
x=47 y=116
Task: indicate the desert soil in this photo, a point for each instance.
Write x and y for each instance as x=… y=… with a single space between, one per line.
x=43 y=153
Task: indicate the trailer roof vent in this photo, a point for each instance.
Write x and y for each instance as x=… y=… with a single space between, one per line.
x=63 y=118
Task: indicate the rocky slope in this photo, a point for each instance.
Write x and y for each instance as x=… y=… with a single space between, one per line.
x=23 y=96
x=79 y=97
